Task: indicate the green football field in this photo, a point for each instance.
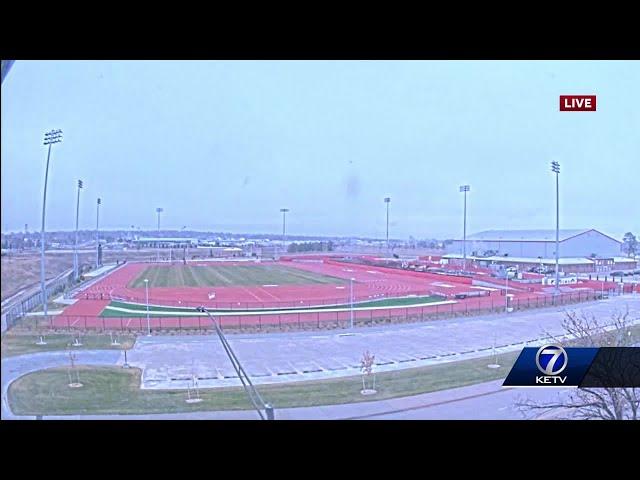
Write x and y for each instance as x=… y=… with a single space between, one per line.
x=228 y=276
x=140 y=310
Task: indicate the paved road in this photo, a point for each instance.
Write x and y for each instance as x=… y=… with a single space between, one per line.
x=15 y=367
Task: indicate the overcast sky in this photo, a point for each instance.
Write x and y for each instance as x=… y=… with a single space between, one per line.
x=225 y=145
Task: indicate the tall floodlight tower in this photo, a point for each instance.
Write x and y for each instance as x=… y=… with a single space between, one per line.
x=465 y=189
x=555 y=168
x=98 y=203
x=284 y=231
x=50 y=138
x=387 y=200
x=159 y=210
x=75 y=244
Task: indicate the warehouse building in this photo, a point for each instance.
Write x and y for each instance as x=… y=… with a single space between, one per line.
x=539 y=244
x=525 y=264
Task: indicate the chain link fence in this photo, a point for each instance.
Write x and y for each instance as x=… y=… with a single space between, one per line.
x=299 y=320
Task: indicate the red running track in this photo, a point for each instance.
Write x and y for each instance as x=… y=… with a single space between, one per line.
x=369 y=282
x=317 y=319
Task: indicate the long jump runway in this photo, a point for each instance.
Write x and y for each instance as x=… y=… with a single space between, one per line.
x=172 y=361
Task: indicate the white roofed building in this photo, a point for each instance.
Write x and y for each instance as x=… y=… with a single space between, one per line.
x=539 y=243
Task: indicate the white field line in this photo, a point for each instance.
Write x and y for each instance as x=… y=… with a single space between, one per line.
x=235 y=313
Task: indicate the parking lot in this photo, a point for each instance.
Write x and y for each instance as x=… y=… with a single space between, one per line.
x=173 y=361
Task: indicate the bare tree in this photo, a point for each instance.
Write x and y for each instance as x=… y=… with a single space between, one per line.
x=366 y=367
x=582 y=330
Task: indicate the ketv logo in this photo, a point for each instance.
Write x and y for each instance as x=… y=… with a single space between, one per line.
x=577 y=103
x=551 y=360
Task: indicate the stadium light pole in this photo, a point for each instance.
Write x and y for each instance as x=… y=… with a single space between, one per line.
x=54 y=136
x=387 y=200
x=75 y=245
x=555 y=168
x=146 y=293
x=465 y=189
x=97 y=233
x=284 y=232
x=159 y=210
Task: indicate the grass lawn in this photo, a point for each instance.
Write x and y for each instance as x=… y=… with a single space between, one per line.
x=14 y=343
x=141 y=310
x=113 y=390
x=228 y=276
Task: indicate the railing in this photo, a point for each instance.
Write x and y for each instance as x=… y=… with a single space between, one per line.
x=20 y=309
x=305 y=320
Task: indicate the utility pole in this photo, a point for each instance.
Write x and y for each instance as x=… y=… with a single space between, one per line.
x=284 y=234
x=387 y=200
x=465 y=189
x=97 y=233
x=159 y=210
x=555 y=168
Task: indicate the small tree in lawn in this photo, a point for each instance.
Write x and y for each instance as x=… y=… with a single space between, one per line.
x=366 y=367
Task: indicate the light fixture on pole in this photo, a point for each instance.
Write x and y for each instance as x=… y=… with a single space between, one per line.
x=97 y=232
x=284 y=232
x=159 y=210
x=555 y=168
x=54 y=136
x=146 y=292
x=387 y=200
x=351 y=299
x=465 y=189
x=75 y=245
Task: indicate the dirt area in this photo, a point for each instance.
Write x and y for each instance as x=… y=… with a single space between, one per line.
x=22 y=270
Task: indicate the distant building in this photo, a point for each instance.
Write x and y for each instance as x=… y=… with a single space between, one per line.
x=565 y=264
x=538 y=243
x=165 y=242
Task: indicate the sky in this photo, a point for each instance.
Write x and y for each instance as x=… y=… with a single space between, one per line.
x=223 y=145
